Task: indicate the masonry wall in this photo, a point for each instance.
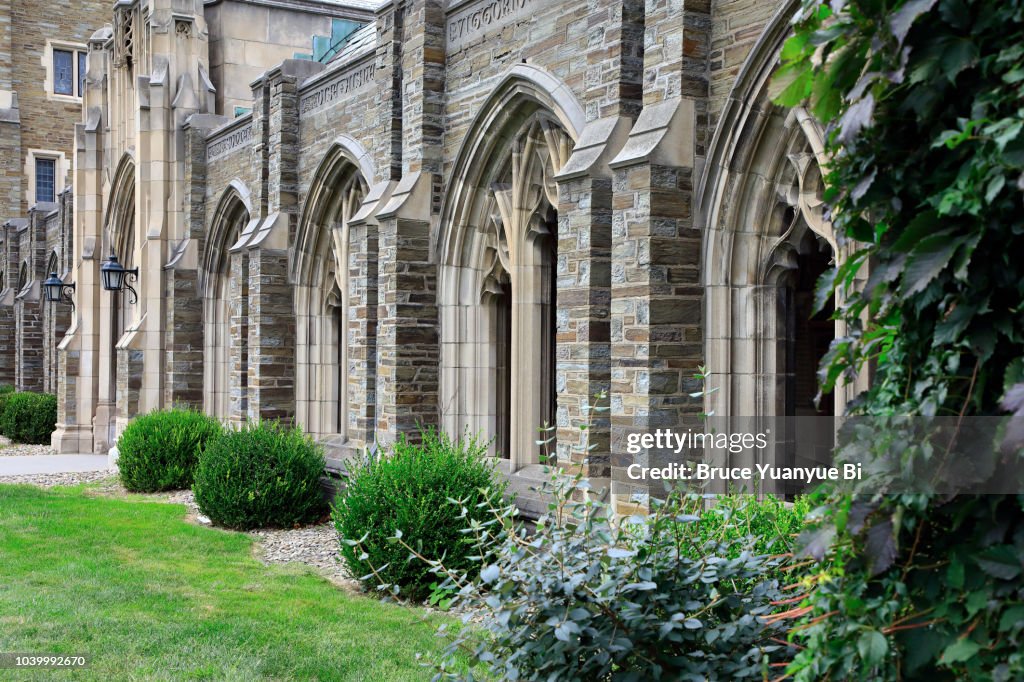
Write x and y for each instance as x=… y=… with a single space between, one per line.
x=649 y=78
x=736 y=26
x=47 y=120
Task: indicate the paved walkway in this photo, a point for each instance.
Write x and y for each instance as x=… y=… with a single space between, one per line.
x=26 y=465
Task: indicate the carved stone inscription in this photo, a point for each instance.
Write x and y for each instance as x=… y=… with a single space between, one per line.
x=477 y=19
x=346 y=82
x=228 y=143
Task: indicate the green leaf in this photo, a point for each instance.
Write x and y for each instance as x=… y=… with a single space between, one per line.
x=872 y=646
x=957 y=55
x=955 y=574
x=926 y=262
x=959 y=651
x=1000 y=562
x=924 y=224
x=995 y=185
x=905 y=16
x=1012 y=617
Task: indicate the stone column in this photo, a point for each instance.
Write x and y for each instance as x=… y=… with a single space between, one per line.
x=407 y=336
x=656 y=309
x=183 y=324
x=271 y=310
x=407 y=333
x=612 y=102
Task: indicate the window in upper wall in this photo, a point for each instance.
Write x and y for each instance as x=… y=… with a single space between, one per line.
x=81 y=74
x=46 y=173
x=65 y=70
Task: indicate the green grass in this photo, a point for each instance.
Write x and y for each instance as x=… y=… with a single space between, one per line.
x=147 y=595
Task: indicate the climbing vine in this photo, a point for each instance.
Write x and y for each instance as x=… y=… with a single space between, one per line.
x=924 y=106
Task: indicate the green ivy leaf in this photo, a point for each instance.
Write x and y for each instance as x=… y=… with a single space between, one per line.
x=926 y=262
x=872 y=646
x=1000 y=562
x=959 y=651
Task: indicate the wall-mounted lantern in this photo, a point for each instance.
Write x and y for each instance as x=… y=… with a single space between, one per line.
x=56 y=290
x=116 y=278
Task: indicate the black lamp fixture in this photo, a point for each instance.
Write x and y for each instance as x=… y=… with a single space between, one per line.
x=116 y=278
x=55 y=290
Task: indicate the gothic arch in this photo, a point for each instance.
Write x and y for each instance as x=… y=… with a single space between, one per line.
x=761 y=213
x=119 y=219
x=320 y=268
x=224 y=290
x=497 y=249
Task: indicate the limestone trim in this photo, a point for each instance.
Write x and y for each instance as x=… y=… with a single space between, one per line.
x=497 y=249
x=522 y=90
x=760 y=209
x=322 y=262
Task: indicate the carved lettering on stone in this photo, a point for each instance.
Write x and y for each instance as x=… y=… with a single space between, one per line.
x=479 y=18
x=346 y=82
x=225 y=144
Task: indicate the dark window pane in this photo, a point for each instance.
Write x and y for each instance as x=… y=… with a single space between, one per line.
x=46 y=169
x=63 y=78
x=81 y=74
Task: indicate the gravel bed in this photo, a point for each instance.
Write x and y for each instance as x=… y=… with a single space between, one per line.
x=9 y=449
x=50 y=480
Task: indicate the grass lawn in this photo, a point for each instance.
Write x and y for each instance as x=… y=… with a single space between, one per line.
x=147 y=595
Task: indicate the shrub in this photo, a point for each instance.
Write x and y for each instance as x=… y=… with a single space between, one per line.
x=770 y=524
x=160 y=450
x=409 y=492
x=29 y=417
x=6 y=390
x=582 y=598
x=261 y=475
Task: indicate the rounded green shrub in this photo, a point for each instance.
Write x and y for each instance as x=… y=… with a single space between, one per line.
x=29 y=417
x=160 y=450
x=261 y=475
x=6 y=391
x=411 y=490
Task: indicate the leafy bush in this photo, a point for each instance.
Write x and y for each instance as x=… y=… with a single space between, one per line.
x=745 y=523
x=29 y=417
x=409 y=492
x=582 y=598
x=922 y=101
x=261 y=475
x=6 y=390
x=160 y=450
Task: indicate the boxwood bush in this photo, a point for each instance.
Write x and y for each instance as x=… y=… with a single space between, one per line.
x=409 y=490
x=160 y=450
x=6 y=390
x=263 y=475
x=29 y=417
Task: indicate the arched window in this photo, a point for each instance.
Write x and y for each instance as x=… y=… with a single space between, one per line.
x=508 y=379
x=226 y=310
x=323 y=295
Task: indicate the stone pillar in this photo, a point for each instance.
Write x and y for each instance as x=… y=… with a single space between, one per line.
x=407 y=336
x=408 y=352
x=362 y=332
x=8 y=264
x=612 y=102
x=271 y=310
x=271 y=347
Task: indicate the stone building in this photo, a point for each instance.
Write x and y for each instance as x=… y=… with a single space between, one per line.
x=477 y=214
x=42 y=64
